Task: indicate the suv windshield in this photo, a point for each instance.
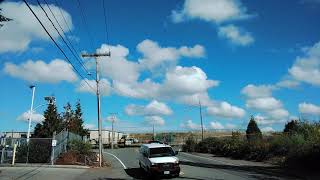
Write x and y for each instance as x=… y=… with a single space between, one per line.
x=161 y=152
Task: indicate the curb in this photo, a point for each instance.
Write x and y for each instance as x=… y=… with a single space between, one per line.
x=46 y=166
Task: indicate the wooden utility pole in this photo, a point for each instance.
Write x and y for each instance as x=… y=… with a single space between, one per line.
x=96 y=56
x=113 y=118
x=201 y=120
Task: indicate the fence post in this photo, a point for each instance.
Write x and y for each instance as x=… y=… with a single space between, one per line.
x=14 y=154
x=2 y=154
x=52 y=147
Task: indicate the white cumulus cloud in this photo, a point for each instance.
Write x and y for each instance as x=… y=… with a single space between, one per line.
x=155 y=55
x=216 y=125
x=153 y=108
x=253 y=91
x=39 y=71
x=216 y=11
x=235 y=35
x=186 y=80
x=264 y=104
x=36 y=117
x=307 y=68
x=154 y=120
x=267 y=129
x=16 y=35
x=308 y=108
x=278 y=114
x=191 y=125
x=118 y=67
x=260 y=98
x=226 y=110
x=264 y=120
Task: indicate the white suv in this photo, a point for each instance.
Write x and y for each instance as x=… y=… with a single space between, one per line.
x=159 y=159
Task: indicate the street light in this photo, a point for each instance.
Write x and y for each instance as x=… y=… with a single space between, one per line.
x=49 y=99
x=31 y=109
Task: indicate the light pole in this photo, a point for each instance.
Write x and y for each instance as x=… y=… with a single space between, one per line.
x=31 y=110
x=50 y=100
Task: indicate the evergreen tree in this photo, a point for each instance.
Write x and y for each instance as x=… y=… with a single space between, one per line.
x=52 y=122
x=38 y=131
x=79 y=120
x=253 y=132
x=291 y=127
x=74 y=119
x=68 y=117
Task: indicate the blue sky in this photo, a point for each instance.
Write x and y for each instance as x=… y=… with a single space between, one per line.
x=258 y=58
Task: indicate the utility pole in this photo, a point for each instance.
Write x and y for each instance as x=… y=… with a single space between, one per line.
x=201 y=120
x=96 y=56
x=113 y=116
x=153 y=135
x=31 y=111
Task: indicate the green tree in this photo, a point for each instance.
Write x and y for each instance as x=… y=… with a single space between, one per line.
x=253 y=132
x=78 y=116
x=291 y=127
x=74 y=119
x=3 y=18
x=52 y=122
x=68 y=117
x=38 y=131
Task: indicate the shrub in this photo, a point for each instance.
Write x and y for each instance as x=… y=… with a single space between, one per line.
x=80 y=146
x=300 y=148
x=190 y=145
x=258 y=151
x=279 y=145
x=39 y=152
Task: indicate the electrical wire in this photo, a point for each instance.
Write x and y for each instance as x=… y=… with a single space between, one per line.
x=64 y=19
x=75 y=56
x=85 y=24
x=67 y=24
x=64 y=54
x=68 y=40
x=106 y=25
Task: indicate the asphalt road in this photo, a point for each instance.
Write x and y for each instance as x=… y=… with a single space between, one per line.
x=124 y=165
x=197 y=167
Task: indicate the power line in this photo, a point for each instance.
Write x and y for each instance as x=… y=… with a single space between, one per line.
x=75 y=56
x=65 y=21
x=64 y=54
x=105 y=22
x=67 y=38
x=85 y=24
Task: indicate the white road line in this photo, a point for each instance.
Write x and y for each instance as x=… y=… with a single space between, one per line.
x=124 y=166
x=211 y=159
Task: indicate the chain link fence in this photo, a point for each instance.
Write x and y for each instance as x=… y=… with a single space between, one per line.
x=37 y=150
x=61 y=143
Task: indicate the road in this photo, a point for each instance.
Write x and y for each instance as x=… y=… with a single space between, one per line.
x=197 y=167
x=124 y=165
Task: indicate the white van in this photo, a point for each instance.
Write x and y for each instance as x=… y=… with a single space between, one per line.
x=159 y=159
